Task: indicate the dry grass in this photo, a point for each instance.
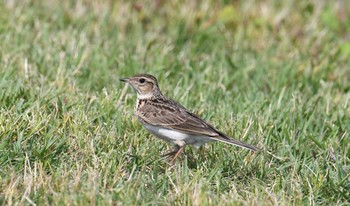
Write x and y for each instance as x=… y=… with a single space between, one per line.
x=271 y=73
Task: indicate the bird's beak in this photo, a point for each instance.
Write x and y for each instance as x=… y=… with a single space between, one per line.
x=124 y=80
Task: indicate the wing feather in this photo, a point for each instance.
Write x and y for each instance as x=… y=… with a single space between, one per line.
x=174 y=117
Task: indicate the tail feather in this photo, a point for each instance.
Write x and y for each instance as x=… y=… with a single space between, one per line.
x=236 y=142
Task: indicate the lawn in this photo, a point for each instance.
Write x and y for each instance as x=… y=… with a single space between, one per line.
x=275 y=74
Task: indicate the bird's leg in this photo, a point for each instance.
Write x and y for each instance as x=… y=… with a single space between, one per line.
x=177 y=154
x=173 y=152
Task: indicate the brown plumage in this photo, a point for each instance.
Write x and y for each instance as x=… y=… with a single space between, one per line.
x=170 y=121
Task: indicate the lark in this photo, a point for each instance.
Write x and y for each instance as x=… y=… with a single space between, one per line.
x=170 y=121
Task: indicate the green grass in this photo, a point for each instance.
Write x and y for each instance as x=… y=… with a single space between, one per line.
x=271 y=73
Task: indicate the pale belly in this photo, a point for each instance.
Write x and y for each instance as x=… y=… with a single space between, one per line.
x=176 y=137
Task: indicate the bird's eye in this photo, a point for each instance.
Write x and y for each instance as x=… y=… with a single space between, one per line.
x=142 y=80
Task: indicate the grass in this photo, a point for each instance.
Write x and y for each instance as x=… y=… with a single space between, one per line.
x=272 y=73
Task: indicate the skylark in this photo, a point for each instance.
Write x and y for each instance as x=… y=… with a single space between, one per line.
x=170 y=121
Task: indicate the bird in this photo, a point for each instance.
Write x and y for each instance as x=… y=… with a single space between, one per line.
x=172 y=122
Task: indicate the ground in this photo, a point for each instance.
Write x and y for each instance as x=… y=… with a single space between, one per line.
x=274 y=74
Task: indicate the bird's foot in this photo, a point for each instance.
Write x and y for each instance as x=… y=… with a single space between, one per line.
x=170 y=154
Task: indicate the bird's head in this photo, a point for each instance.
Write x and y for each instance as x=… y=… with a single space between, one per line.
x=145 y=85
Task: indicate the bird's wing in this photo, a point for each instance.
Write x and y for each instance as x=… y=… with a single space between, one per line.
x=174 y=116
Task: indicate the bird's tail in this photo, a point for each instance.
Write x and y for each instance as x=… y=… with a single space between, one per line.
x=225 y=139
